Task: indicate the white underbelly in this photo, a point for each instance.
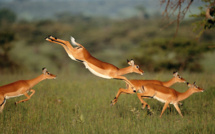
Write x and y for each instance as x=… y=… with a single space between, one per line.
x=96 y=73
x=8 y=97
x=161 y=100
x=71 y=56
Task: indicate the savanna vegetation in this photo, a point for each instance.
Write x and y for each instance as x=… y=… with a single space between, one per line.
x=66 y=105
x=79 y=102
x=139 y=38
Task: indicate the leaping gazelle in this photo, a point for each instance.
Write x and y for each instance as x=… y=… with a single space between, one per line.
x=168 y=95
x=95 y=66
x=22 y=87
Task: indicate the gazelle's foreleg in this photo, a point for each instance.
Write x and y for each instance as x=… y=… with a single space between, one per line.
x=178 y=109
x=164 y=107
x=28 y=96
x=126 y=80
x=121 y=90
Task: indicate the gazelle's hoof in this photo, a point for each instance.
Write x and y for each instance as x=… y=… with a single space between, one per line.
x=181 y=104
x=148 y=107
x=112 y=103
x=150 y=112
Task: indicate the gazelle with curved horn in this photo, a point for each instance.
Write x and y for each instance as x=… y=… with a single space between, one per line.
x=168 y=95
x=95 y=66
x=139 y=83
x=22 y=87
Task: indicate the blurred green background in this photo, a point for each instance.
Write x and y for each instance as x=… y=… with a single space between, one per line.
x=112 y=31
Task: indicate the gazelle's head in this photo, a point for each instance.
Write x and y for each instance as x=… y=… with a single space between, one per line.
x=178 y=78
x=135 y=68
x=194 y=87
x=47 y=74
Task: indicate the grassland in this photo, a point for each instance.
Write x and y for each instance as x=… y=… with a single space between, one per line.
x=80 y=103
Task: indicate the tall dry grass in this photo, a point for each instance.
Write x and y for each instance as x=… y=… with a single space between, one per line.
x=80 y=103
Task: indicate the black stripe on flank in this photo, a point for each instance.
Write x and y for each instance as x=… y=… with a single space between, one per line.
x=79 y=60
x=148 y=96
x=118 y=79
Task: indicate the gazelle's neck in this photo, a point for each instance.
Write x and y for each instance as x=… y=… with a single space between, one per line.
x=169 y=83
x=33 y=82
x=125 y=70
x=186 y=94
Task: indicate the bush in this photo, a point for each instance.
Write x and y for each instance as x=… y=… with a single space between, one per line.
x=179 y=54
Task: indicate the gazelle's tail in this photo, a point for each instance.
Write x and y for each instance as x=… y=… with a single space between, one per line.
x=75 y=43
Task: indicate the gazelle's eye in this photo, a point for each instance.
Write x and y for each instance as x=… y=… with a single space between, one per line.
x=137 y=66
x=179 y=77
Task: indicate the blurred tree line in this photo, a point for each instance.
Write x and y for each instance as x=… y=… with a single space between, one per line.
x=7 y=18
x=22 y=43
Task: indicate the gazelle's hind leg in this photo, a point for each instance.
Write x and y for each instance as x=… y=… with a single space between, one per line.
x=61 y=42
x=144 y=95
x=56 y=40
x=2 y=103
x=121 y=90
x=2 y=107
x=67 y=46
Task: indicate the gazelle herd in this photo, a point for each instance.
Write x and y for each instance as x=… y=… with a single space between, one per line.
x=143 y=88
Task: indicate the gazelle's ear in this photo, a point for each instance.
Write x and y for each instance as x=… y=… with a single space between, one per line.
x=188 y=84
x=131 y=62
x=143 y=88
x=44 y=70
x=194 y=83
x=175 y=73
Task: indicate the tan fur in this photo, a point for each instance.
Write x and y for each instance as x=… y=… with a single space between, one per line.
x=22 y=87
x=97 y=67
x=168 y=95
x=139 y=83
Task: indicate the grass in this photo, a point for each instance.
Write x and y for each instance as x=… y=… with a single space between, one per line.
x=80 y=103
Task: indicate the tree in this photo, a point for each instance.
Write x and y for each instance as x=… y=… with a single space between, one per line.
x=5 y=47
x=173 y=6
x=7 y=16
x=179 y=54
x=207 y=21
